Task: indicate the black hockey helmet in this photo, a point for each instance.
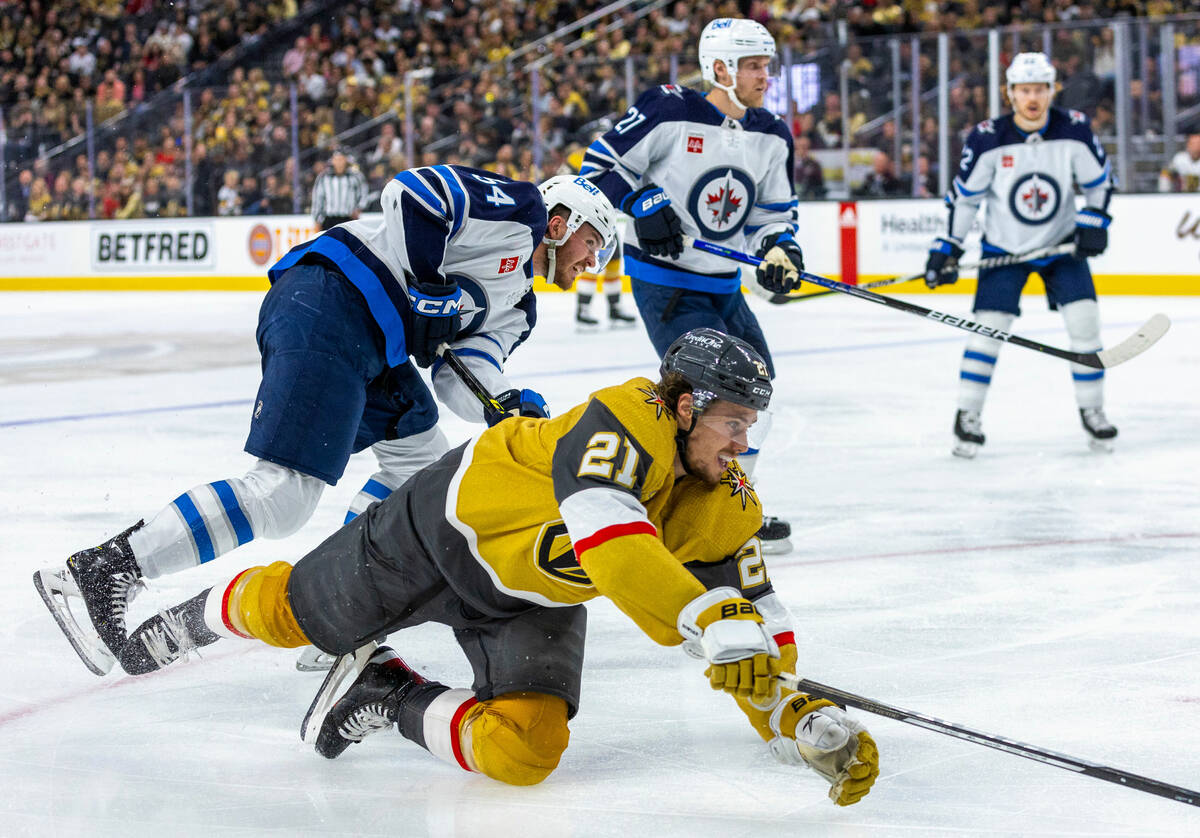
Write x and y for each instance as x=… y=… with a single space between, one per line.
x=719 y=366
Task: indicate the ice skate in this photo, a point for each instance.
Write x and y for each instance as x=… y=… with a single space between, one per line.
x=168 y=636
x=584 y=322
x=968 y=433
x=618 y=319
x=1100 y=431
x=371 y=704
x=773 y=535
x=104 y=581
x=313 y=659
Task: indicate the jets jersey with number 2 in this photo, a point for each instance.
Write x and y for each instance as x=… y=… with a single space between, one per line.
x=1028 y=181
x=729 y=180
x=558 y=511
x=442 y=222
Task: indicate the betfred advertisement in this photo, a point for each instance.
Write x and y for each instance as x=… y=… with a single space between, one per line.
x=158 y=246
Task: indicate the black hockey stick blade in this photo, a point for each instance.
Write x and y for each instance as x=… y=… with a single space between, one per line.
x=999 y=743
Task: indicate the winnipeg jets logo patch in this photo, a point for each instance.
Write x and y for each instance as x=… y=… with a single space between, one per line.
x=720 y=202
x=1034 y=198
x=739 y=485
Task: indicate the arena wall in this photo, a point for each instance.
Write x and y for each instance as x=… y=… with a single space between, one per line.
x=1154 y=248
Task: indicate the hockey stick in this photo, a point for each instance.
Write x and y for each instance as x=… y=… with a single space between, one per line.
x=469 y=380
x=990 y=262
x=1146 y=336
x=1043 y=755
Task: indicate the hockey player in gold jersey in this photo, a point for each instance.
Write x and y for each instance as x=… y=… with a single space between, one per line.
x=635 y=495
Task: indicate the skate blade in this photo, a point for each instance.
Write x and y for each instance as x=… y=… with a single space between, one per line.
x=966 y=450
x=54 y=586
x=345 y=667
x=621 y=324
x=313 y=659
x=775 y=547
x=587 y=327
x=1102 y=446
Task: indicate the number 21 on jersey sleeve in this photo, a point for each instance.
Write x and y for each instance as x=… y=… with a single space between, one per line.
x=600 y=456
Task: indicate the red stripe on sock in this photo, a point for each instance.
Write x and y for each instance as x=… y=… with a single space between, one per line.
x=615 y=531
x=785 y=638
x=225 y=606
x=455 y=739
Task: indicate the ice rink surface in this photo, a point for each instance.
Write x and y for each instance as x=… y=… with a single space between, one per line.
x=1042 y=592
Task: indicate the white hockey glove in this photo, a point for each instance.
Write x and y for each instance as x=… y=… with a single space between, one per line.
x=815 y=732
x=728 y=632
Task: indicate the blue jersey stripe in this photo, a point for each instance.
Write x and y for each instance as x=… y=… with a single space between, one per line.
x=233 y=510
x=971 y=376
x=376 y=489
x=786 y=205
x=457 y=195
x=972 y=355
x=192 y=517
x=350 y=516
x=1088 y=376
x=478 y=353
x=1103 y=177
x=417 y=186
x=371 y=285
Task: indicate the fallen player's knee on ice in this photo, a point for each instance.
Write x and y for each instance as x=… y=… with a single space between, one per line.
x=518 y=738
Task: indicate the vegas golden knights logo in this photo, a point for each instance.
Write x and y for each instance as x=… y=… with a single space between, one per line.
x=556 y=555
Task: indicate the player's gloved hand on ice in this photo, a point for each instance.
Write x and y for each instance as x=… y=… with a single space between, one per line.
x=435 y=318
x=517 y=403
x=1091 y=232
x=941 y=268
x=658 y=229
x=820 y=734
x=729 y=633
x=782 y=262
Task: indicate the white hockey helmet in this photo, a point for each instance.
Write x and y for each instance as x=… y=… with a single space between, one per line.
x=587 y=205
x=1030 y=68
x=731 y=39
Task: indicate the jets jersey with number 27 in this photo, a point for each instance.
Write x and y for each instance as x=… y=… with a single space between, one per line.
x=1028 y=181
x=729 y=180
x=445 y=222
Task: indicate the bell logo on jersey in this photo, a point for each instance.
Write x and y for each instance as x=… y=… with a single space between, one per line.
x=695 y=145
x=509 y=264
x=555 y=555
x=720 y=202
x=1035 y=198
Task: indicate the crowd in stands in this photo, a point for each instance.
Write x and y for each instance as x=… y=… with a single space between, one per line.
x=348 y=68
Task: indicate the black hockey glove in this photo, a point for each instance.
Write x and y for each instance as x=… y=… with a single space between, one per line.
x=1091 y=232
x=435 y=318
x=782 y=263
x=941 y=268
x=658 y=230
x=517 y=403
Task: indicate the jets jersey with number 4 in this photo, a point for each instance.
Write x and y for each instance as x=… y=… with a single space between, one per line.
x=1028 y=181
x=439 y=223
x=729 y=180
x=590 y=507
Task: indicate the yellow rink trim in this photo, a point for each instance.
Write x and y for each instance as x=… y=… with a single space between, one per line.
x=1106 y=284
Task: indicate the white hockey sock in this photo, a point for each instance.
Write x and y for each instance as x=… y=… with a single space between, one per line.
x=979 y=360
x=399 y=459
x=1082 y=318
x=211 y=519
x=440 y=724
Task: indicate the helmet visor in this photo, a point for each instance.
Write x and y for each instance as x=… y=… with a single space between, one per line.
x=746 y=430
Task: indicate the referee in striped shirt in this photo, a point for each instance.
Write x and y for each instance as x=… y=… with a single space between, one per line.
x=339 y=194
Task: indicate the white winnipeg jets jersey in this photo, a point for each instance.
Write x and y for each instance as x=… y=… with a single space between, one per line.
x=443 y=222
x=729 y=180
x=1028 y=181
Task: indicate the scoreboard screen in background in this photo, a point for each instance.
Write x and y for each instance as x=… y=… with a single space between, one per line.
x=806 y=89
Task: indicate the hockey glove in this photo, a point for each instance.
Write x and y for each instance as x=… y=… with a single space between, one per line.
x=782 y=263
x=941 y=268
x=435 y=318
x=658 y=229
x=517 y=403
x=818 y=733
x=1091 y=232
x=743 y=659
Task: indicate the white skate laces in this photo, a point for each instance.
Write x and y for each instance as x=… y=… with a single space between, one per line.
x=172 y=629
x=368 y=719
